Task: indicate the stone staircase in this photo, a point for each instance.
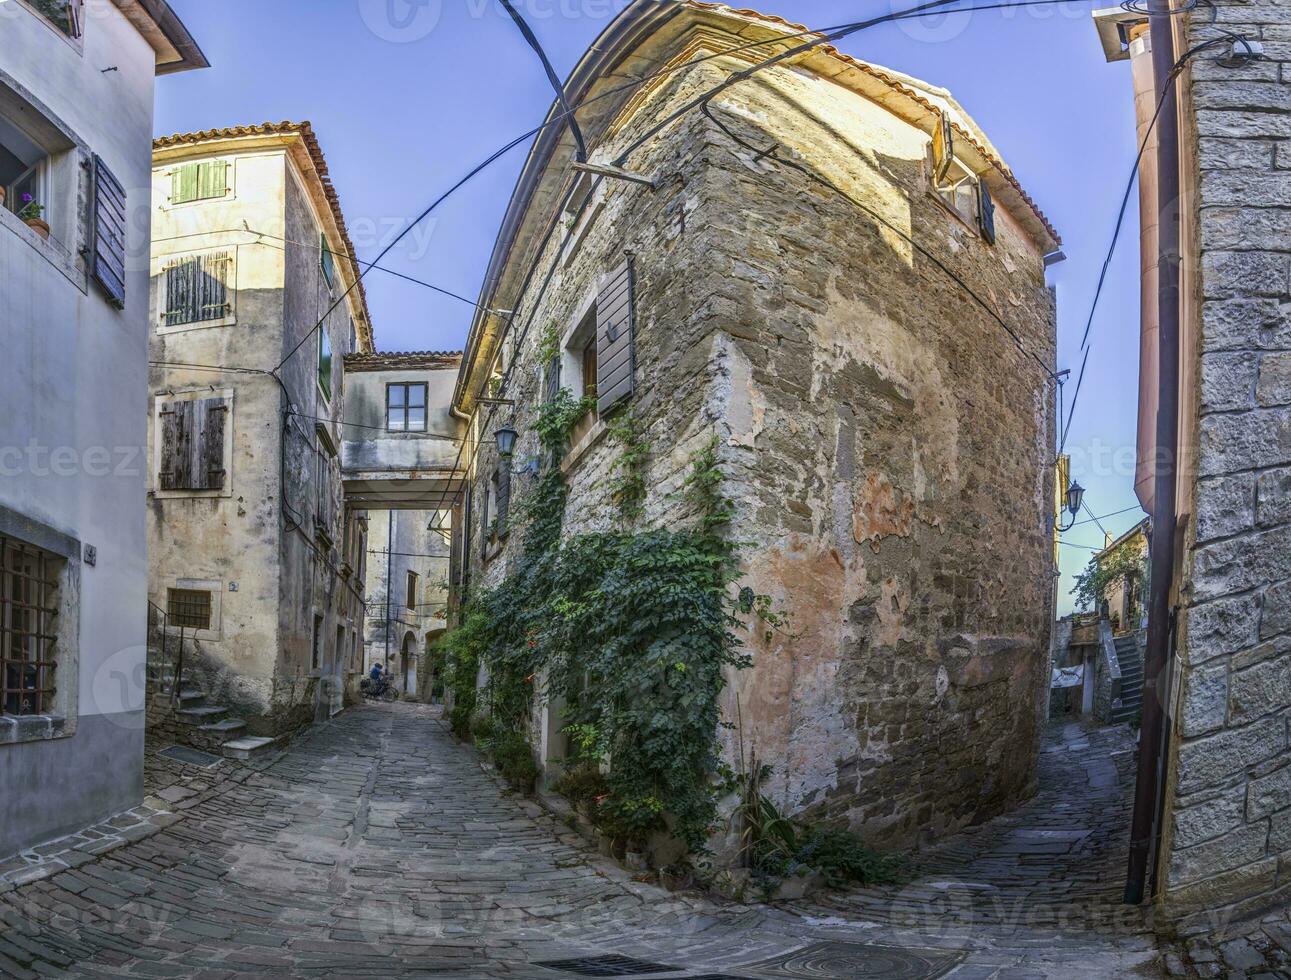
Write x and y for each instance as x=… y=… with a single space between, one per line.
x=191 y=720
x=1131 y=703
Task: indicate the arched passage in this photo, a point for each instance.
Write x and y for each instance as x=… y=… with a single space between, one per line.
x=408 y=664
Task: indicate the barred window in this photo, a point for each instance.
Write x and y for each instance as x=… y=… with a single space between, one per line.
x=197 y=289
x=28 y=607
x=189 y=607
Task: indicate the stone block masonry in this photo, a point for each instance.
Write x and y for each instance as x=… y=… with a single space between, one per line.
x=1229 y=793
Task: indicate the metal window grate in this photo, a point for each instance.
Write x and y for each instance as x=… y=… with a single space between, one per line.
x=189 y=607
x=606 y=966
x=28 y=607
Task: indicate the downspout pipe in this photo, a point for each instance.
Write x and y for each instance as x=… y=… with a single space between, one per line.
x=1145 y=830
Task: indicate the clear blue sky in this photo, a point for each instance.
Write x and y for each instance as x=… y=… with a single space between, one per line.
x=407 y=95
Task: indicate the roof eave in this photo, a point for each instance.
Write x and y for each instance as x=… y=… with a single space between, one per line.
x=175 y=47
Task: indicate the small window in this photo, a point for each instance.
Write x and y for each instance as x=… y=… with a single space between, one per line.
x=66 y=15
x=189 y=608
x=326 y=261
x=197 y=289
x=957 y=187
x=316 y=654
x=204 y=181
x=412 y=590
x=406 y=407
x=325 y=363
x=28 y=610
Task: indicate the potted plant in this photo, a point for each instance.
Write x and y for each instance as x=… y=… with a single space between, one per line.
x=31 y=213
x=2 y=195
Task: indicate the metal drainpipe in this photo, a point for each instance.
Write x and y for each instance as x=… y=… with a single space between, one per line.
x=1145 y=828
x=389 y=559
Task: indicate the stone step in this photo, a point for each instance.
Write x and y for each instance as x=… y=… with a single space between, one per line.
x=226 y=726
x=247 y=746
x=203 y=714
x=191 y=697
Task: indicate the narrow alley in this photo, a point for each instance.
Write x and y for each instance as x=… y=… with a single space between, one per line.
x=351 y=855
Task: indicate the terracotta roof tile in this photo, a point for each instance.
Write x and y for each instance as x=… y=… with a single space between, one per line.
x=306 y=132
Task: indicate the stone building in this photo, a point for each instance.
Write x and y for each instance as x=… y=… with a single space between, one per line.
x=833 y=271
x=398 y=455
x=73 y=304
x=1225 y=841
x=253 y=553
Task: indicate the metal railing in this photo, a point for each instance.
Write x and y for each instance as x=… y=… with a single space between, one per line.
x=158 y=620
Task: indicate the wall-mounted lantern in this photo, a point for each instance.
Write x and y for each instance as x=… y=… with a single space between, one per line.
x=1075 y=500
x=506 y=439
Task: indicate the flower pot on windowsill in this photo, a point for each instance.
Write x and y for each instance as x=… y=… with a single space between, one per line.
x=2 y=196
x=39 y=226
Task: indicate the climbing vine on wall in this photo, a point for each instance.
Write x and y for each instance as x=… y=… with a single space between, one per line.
x=634 y=632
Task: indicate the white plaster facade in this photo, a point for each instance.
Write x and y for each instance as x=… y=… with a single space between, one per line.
x=74 y=376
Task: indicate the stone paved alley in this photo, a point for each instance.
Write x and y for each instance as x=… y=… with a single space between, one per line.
x=378 y=846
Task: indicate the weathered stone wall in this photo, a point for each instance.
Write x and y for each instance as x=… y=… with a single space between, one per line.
x=887 y=445
x=266 y=575
x=1228 y=833
x=889 y=449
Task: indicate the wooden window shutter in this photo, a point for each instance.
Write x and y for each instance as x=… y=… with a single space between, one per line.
x=504 y=497
x=199 y=181
x=210 y=416
x=197 y=288
x=553 y=378
x=985 y=211
x=943 y=149
x=615 y=338
x=109 y=234
x=192 y=444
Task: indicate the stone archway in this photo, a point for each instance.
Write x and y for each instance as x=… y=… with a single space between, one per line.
x=432 y=681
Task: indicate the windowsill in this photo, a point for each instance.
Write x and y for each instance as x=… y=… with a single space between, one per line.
x=164 y=329
x=159 y=494
x=52 y=252
x=16 y=729
x=224 y=198
x=576 y=452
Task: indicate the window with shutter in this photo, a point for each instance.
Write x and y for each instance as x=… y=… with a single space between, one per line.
x=615 y=338
x=325 y=363
x=109 y=234
x=204 y=181
x=326 y=261
x=986 y=213
x=192 y=444
x=197 y=289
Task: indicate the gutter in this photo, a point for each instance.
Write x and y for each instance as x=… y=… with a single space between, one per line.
x=1145 y=828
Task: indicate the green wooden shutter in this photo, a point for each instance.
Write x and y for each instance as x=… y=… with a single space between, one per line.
x=199 y=181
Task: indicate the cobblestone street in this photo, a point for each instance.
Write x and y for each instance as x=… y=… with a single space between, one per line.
x=378 y=846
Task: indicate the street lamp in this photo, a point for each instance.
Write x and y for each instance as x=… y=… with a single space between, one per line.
x=506 y=438
x=1075 y=500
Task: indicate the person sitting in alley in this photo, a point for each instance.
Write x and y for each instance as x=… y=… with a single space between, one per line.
x=377 y=672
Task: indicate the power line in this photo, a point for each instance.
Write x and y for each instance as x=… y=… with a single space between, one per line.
x=1103 y=517
x=817 y=39
x=1167 y=87
x=552 y=77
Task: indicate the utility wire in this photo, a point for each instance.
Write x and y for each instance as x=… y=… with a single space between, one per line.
x=1103 y=517
x=1167 y=88
x=815 y=39
x=552 y=77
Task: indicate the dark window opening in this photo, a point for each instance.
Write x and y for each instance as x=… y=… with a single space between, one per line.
x=316 y=655
x=28 y=607
x=189 y=607
x=412 y=590
x=589 y=367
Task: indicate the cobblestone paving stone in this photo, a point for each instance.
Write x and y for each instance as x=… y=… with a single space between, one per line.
x=378 y=847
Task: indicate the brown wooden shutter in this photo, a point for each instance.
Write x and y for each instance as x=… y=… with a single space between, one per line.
x=192 y=444
x=985 y=211
x=615 y=338
x=210 y=460
x=109 y=234
x=504 y=496
x=943 y=149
